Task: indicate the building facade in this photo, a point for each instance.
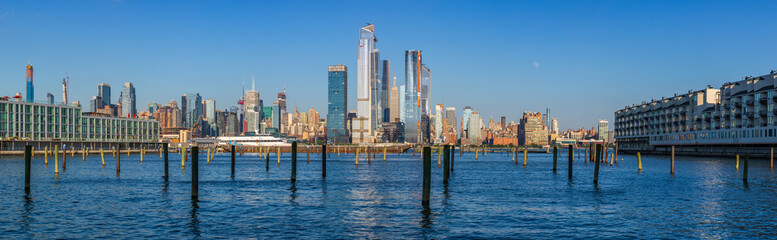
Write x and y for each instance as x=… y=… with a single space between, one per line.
x=362 y=126
x=128 y=101
x=47 y=122
x=532 y=130
x=336 y=131
x=738 y=114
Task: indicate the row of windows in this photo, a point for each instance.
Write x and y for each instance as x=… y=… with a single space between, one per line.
x=732 y=134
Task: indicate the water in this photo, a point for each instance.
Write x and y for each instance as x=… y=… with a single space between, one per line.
x=489 y=198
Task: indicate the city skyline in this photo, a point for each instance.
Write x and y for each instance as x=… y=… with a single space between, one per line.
x=564 y=75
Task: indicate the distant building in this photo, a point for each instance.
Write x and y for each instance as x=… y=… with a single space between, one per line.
x=50 y=98
x=412 y=101
x=394 y=102
x=603 y=130
x=193 y=111
x=554 y=125
x=384 y=90
x=104 y=92
x=128 y=101
x=439 y=118
x=473 y=130
x=465 y=122
x=336 y=131
x=94 y=104
x=531 y=131
x=30 y=87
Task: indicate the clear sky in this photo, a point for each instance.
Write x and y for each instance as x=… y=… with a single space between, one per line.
x=582 y=59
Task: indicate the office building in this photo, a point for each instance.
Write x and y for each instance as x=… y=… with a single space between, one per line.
x=104 y=92
x=602 y=130
x=385 y=98
x=465 y=122
x=50 y=98
x=439 y=118
x=366 y=116
x=554 y=126
x=473 y=130
x=193 y=111
x=394 y=102
x=128 y=101
x=532 y=130
x=412 y=118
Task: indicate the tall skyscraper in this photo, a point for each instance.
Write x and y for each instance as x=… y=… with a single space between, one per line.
x=280 y=101
x=603 y=130
x=473 y=130
x=385 y=80
x=210 y=115
x=412 y=118
x=193 y=109
x=426 y=90
x=104 y=92
x=450 y=116
x=338 y=105
x=554 y=125
x=128 y=101
x=465 y=122
x=362 y=125
x=438 y=122
x=394 y=102
x=30 y=87
x=184 y=110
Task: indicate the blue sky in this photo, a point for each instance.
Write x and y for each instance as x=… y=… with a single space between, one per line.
x=582 y=59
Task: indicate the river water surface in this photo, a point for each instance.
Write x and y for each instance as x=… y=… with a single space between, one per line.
x=488 y=198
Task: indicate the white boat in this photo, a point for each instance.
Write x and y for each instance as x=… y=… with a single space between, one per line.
x=263 y=140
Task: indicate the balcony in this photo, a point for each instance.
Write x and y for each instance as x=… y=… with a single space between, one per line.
x=738 y=104
x=749 y=114
x=762 y=113
x=763 y=100
x=749 y=102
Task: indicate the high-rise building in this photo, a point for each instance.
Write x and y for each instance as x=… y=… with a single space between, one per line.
x=450 y=118
x=280 y=101
x=402 y=104
x=465 y=122
x=94 y=104
x=385 y=80
x=412 y=118
x=338 y=105
x=438 y=122
x=366 y=116
x=193 y=110
x=554 y=126
x=30 y=87
x=128 y=101
x=184 y=110
x=49 y=98
x=426 y=90
x=603 y=130
x=210 y=115
x=394 y=103
x=104 y=92
x=473 y=129
x=502 y=122
x=532 y=130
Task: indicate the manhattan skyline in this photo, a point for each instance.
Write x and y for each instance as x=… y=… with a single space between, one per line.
x=581 y=60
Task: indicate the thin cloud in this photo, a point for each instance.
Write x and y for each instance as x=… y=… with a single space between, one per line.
x=536 y=64
x=6 y=14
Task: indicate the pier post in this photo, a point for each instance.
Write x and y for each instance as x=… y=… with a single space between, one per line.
x=195 y=173
x=525 y=155
x=571 y=158
x=439 y=155
x=384 y=153
x=427 y=178
x=294 y=162
x=737 y=162
x=233 y=161
x=639 y=161
x=64 y=159
x=118 y=159
x=278 y=150
x=744 y=171
x=357 y=155
x=771 y=160
x=323 y=159
x=102 y=156
x=596 y=164
x=307 y=152
x=477 y=152
x=207 y=158
x=672 y=159
x=46 y=155
x=446 y=164
x=27 y=167
x=586 y=155
x=616 y=152
x=164 y=157
x=56 y=160
x=555 y=157
x=267 y=159
x=183 y=157
x=453 y=153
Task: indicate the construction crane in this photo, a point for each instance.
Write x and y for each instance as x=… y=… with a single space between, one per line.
x=194 y=126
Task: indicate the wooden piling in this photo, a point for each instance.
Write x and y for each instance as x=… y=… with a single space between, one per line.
x=744 y=171
x=294 y=162
x=771 y=160
x=267 y=159
x=164 y=157
x=278 y=150
x=27 y=167
x=427 y=177
x=453 y=153
x=446 y=164
x=596 y=164
x=477 y=152
x=118 y=159
x=102 y=156
x=439 y=156
x=233 y=161
x=207 y=158
x=357 y=155
x=639 y=161
x=64 y=159
x=323 y=160
x=571 y=158
x=46 y=155
x=737 y=162
x=525 y=155
x=307 y=152
x=555 y=157
x=672 y=160
x=195 y=173
x=56 y=160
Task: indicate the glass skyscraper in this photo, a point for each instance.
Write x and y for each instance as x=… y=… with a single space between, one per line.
x=193 y=109
x=465 y=122
x=104 y=92
x=385 y=80
x=128 y=101
x=412 y=118
x=362 y=126
x=338 y=105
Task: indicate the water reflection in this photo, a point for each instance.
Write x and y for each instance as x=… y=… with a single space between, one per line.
x=26 y=218
x=427 y=219
x=293 y=195
x=194 y=221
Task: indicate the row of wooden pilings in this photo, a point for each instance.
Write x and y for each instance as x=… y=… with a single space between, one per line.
x=447 y=162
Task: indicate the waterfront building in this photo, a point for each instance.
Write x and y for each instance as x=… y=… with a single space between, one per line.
x=738 y=114
x=532 y=130
x=30 y=86
x=336 y=131
x=128 y=101
x=602 y=130
x=47 y=122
